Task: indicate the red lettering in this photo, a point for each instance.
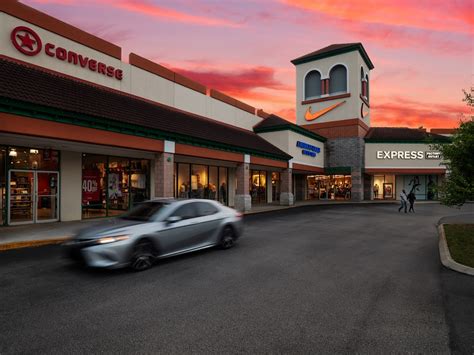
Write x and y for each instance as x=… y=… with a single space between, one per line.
x=93 y=65
x=83 y=61
x=119 y=74
x=47 y=49
x=101 y=68
x=72 y=57
x=110 y=71
x=61 y=53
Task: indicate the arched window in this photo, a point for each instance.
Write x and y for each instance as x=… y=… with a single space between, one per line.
x=338 y=79
x=367 y=87
x=362 y=89
x=312 y=84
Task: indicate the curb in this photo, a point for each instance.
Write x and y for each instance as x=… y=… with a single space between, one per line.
x=31 y=244
x=445 y=255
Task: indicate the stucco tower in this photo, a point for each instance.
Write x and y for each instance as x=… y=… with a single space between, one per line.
x=332 y=99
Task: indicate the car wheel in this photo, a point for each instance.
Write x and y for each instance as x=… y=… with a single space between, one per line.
x=227 y=238
x=142 y=256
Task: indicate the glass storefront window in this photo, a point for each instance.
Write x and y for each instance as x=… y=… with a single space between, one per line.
x=183 y=181
x=201 y=181
x=94 y=194
x=423 y=186
x=32 y=158
x=111 y=185
x=383 y=187
x=223 y=193
x=275 y=186
x=329 y=187
x=139 y=170
x=211 y=192
x=198 y=180
x=258 y=186
x=118 y=186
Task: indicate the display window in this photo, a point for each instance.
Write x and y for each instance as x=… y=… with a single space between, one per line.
x=423 y=186
x=3 y=188
x=201 y=182
x=329 y=187
x=111 y=185
x=258 y=186
x=383 y=187
x=33 y=159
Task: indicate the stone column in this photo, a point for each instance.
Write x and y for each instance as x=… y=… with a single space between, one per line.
x=243 y=201
x=357 y=191
x=286 y=193
x=164 y=174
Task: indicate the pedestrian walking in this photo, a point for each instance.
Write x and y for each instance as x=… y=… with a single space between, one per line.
x=411 y=199
x=403 y=201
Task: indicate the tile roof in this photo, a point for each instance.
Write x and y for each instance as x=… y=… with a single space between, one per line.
x=402 y=134
x=335 y=49
x=58 y=92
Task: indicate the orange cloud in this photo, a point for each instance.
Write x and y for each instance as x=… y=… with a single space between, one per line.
x=448 y=16
x=404 y=112
x=237 y=82
x=146 y=8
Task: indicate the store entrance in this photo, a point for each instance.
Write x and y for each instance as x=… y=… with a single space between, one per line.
x=34 y=196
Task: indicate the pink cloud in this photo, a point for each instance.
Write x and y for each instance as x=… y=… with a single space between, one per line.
x=447 y=16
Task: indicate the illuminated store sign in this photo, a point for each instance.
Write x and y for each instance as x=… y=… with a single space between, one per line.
x=27 y=41
x=308 y=149
x=407 y=154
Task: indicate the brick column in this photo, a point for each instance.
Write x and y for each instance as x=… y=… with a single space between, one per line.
x=164 y=170
x=286 y=193
x=243 y=201
x=357 y=191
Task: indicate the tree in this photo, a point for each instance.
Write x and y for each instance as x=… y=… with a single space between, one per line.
x=459 y=159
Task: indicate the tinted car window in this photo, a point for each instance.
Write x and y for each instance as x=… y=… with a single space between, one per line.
x=205 y=209
x=144 y=211
x=186 y=212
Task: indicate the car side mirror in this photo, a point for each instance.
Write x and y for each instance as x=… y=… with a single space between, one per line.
x=173 y=219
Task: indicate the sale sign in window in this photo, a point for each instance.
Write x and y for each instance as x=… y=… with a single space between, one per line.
x=90 y=186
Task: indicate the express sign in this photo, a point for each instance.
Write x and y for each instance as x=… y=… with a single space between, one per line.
x=407 y=154
x=27 y=41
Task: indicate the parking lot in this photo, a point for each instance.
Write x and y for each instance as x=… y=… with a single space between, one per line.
x=312 y=279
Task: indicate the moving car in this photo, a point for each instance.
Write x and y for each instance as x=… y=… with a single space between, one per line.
x=156 y=229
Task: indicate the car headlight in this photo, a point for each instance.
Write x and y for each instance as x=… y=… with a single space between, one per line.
x=112 y=239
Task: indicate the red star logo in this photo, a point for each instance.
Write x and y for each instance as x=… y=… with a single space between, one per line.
x=26 y=40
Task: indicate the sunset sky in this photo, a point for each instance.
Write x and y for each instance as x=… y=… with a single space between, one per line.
x=422 y=50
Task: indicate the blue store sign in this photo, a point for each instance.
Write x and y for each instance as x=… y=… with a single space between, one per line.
x=308 y=149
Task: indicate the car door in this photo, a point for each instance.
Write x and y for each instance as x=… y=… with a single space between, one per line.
x=180 y=235
x=207 y=223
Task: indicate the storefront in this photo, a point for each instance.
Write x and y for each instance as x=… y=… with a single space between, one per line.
x=29 y=185
x=329 y=187
x=111 y=185
x=393 y=165
x=201 y=181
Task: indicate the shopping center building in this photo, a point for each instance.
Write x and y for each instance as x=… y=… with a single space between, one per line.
x=84 y=134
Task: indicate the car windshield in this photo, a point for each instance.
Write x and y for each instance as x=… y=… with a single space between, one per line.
x=144 y=211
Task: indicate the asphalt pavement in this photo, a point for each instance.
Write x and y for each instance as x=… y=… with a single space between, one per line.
x=316 y=279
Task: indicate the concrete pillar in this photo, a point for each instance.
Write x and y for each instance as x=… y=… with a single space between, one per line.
x=357 y=191
x=286 y=192
x=164 y=170
x=243 y=201
x=71 y=186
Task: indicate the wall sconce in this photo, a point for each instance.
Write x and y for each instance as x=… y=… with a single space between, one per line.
x=34 y=151
x=13 y=153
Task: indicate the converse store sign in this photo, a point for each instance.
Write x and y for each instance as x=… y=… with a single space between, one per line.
x=28 y=42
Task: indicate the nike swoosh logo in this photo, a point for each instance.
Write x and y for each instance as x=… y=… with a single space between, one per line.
x=310 y=116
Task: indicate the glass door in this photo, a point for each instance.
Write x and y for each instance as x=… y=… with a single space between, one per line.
x=46 y=196
x=21 y=201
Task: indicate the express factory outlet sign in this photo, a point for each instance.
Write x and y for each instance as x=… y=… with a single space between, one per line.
x=28 y=42
x=407 y=155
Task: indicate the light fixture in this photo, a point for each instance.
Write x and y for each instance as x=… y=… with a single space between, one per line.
x=13 y=153
x=34 y=151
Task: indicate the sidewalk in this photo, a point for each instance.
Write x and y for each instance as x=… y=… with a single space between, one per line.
x=13 y=237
